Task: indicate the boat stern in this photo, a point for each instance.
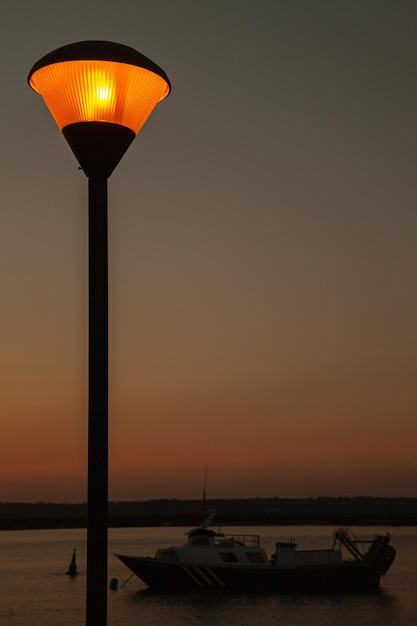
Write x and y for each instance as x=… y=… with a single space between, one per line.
x=381 y=554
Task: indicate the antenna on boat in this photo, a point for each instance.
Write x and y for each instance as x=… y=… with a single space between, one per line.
x=206 y=523
x=205 y=479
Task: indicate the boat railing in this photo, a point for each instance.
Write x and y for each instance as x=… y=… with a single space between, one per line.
x=250 y=541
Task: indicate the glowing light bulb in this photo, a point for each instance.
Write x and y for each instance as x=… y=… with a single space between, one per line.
x=100 y=96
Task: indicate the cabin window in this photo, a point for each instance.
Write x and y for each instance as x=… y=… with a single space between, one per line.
x=228 y=557
x=255 y=557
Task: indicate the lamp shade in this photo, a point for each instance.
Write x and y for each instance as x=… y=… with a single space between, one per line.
x=100 y=95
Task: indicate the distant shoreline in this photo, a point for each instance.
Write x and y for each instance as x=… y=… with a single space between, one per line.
x=333 y=511
x=139 y=522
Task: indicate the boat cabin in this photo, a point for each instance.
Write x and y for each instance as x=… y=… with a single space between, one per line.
x=209 y=547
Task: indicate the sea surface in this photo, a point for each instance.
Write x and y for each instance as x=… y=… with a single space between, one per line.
x=34 y=590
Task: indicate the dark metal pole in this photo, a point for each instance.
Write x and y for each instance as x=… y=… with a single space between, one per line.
x=97 y=509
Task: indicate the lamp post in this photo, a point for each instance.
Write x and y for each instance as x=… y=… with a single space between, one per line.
x=100 y=95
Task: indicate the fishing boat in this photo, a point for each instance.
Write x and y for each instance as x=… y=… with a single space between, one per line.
x=210 y=559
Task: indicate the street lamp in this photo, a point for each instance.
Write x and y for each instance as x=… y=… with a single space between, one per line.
x=100 y=94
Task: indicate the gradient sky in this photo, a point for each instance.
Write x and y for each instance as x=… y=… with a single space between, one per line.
x=262 y=249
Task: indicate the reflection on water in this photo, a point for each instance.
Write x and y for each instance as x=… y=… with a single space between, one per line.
x=208 y=608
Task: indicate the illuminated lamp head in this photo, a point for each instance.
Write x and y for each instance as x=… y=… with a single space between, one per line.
x=100 y=94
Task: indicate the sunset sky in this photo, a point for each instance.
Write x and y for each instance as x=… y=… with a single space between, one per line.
x=262 y=255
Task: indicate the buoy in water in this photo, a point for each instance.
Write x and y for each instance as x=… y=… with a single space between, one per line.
x=113 y=584
x=72 y=569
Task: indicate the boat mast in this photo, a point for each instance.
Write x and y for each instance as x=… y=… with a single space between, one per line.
x=205 y=480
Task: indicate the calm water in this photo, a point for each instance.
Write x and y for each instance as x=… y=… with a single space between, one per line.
x=36 y=592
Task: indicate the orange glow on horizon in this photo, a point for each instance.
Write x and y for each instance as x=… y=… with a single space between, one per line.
x=99 y=91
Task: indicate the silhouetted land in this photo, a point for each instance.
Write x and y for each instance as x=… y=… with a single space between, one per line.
x=341 y=511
